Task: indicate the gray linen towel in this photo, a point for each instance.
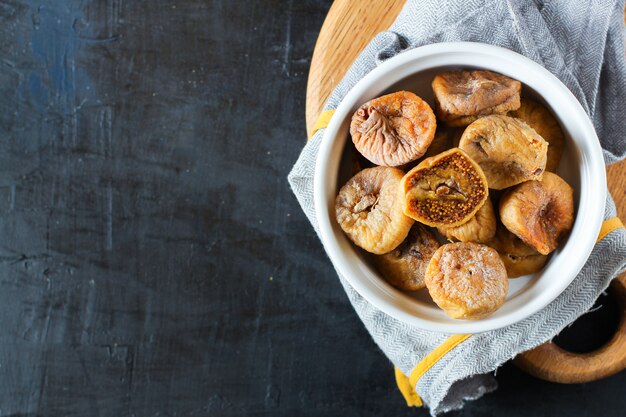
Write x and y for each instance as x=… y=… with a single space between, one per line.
x=582 y=43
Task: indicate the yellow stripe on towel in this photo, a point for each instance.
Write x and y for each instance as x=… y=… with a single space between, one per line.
x=407 y=385
x=608 y=226
x=322 y=121
x=411 y=397
x=408 y=392
x=434 y=356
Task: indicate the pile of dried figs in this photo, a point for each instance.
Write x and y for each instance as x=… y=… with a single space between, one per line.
x=483 y=180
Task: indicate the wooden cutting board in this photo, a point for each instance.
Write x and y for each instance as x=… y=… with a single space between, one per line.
x=349 y=26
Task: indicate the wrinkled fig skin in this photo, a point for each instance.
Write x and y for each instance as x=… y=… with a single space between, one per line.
x=394 y=129
x=479 y=229
x=464 y=96
x=507 y=149
x=540 y=213
x=538 y=117
x=519 y=259
x=444 y=190
x=467 y=280
x=369 y=210
x=405 y=266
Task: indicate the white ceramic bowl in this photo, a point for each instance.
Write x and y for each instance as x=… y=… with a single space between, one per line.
x=582 y=166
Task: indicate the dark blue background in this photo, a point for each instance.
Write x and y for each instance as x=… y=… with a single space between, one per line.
x=153 y=261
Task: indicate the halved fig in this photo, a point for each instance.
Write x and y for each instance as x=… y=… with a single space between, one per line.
x=519 y=259
x=480 y=228
x=405 y=266
x=538 y=117
x=444 y=190
x=369 y=210
x=467 y=280
x=464 y=96
x=507 y=149
x=394 y=129
x=540 y=213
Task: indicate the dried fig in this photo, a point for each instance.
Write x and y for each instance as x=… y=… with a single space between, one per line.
x=539 y=212
x=369 y=210
x=480 y=228
x=538 y=117
x=467 y=280
x=519 y=259
x=444 y=190
x=394 y=129
x=464 y=96
x=405 y=266
x=507 y=149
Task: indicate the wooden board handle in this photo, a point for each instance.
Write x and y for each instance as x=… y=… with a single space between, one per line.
x=552 y=363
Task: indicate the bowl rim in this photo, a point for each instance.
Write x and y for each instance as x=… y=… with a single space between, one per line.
x=588 y=219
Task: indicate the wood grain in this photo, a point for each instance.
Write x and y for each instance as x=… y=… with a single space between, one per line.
x=349 y=26
x=552 y=363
